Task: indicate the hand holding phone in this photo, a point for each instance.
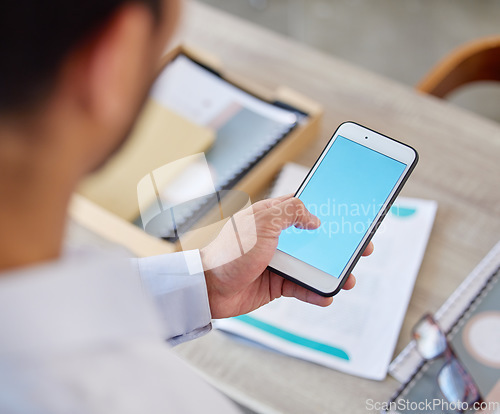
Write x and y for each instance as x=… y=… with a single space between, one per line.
x=350 y=188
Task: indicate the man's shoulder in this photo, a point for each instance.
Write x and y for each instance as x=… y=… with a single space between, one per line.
x=136 y=376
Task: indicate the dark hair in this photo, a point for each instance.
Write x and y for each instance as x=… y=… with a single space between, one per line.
x=36 y=35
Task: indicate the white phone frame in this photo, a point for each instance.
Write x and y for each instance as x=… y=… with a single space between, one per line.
x=312 y=278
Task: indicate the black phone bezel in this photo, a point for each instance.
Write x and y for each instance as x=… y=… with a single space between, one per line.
x=374 y=229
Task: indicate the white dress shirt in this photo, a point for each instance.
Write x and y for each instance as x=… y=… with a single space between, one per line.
x=83 y=335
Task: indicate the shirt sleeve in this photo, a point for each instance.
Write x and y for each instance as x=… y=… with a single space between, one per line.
x=177 y=283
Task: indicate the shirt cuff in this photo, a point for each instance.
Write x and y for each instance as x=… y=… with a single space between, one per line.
x=177 y=283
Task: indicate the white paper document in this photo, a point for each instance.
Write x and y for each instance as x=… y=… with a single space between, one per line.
x=357 y=334
x=206 y=99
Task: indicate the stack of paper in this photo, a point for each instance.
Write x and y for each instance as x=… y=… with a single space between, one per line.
x=246 y=126
x=246 y=129
x=358 y=333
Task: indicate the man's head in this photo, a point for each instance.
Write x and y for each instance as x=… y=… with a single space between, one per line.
x=73 y=77
x=90 y=61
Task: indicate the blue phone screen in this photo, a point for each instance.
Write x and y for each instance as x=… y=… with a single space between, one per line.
x=346 y=192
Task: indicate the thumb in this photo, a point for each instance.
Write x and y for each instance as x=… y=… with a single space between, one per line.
x=292 y=212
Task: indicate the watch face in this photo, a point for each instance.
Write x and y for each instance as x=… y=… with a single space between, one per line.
x=481 y=337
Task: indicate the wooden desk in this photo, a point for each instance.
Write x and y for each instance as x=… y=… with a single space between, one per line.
x=459 y=166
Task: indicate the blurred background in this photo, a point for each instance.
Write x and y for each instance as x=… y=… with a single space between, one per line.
x=400 y=39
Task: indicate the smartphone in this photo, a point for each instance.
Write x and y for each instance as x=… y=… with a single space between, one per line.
x=350 y=188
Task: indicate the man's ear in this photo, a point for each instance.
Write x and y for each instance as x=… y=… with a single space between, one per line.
x=114 y=65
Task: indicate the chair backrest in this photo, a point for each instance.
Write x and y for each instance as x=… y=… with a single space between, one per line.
x=475 y=61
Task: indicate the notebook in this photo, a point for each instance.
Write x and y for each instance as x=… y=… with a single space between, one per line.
x=246 y=129
x=471 y=320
